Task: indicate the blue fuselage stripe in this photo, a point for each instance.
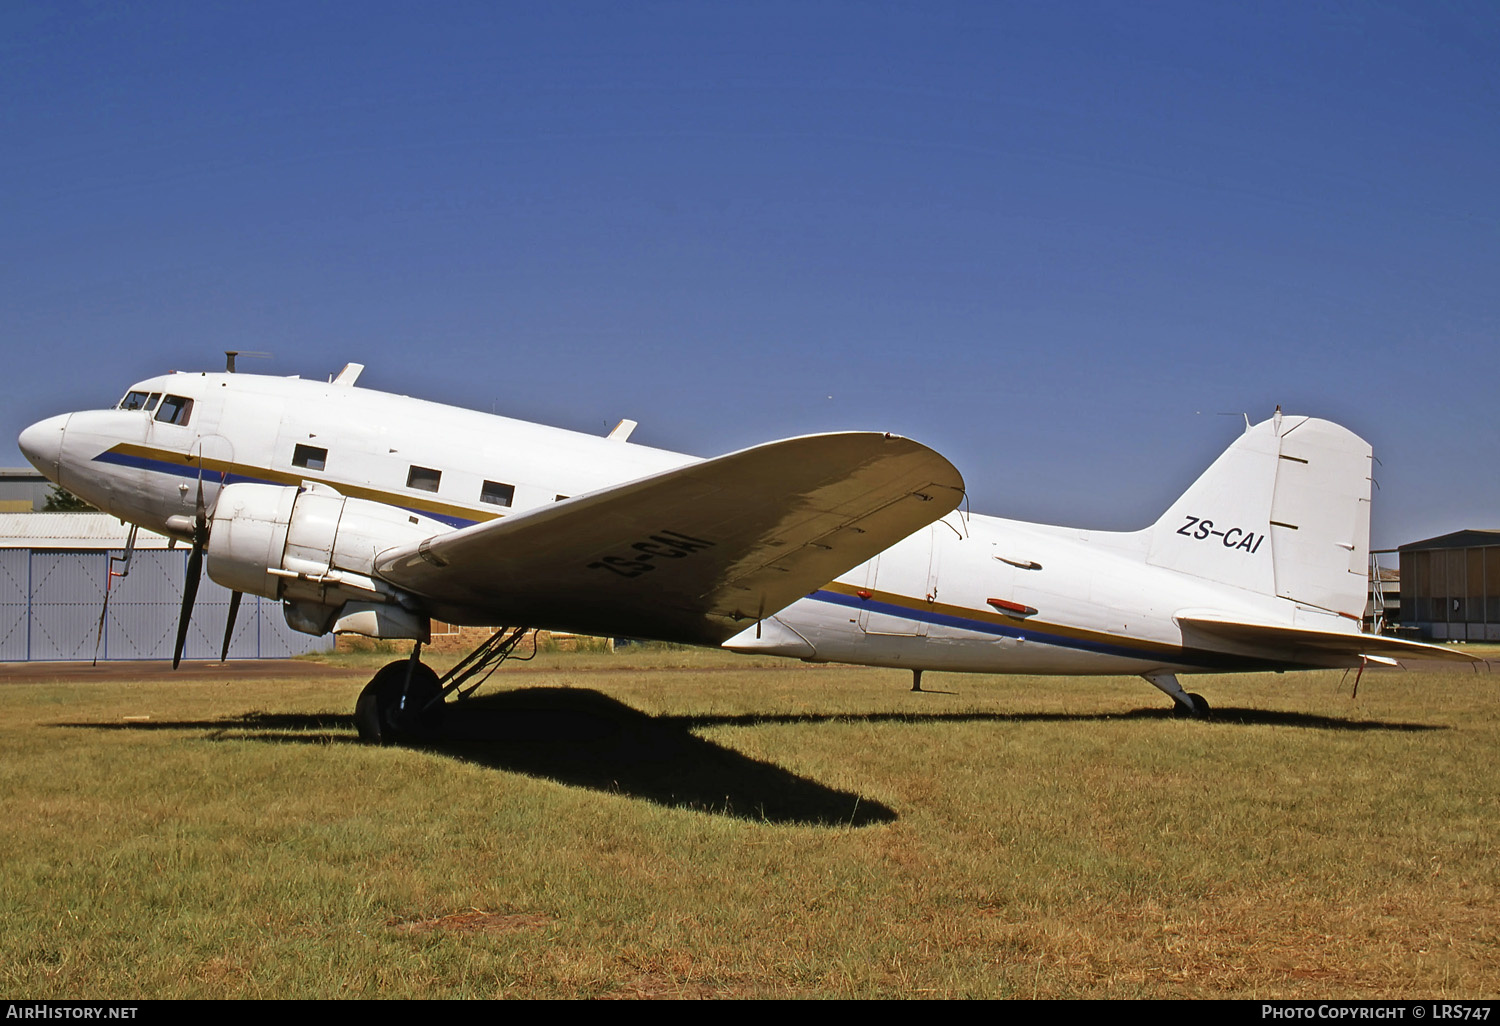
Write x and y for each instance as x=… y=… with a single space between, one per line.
x=154 y=466
x=978 y=626
x=1176 y=655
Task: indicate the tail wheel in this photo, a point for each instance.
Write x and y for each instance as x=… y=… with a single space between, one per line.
x=1198 y=710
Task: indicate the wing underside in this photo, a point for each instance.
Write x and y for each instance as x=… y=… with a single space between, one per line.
x=689 y=554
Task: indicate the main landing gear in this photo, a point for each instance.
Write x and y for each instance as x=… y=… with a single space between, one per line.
x=404 y=701
x=1187 y=706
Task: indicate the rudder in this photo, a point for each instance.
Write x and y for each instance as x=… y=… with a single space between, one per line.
x=1284 y=511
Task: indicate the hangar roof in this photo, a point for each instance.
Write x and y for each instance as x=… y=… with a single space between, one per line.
x=70 y=531
x=1471 y=539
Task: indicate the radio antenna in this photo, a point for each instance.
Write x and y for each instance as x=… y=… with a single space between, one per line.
x=230 y=354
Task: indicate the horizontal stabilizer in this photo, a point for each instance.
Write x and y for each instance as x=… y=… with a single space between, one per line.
x=692 y=554
x=1309 y=645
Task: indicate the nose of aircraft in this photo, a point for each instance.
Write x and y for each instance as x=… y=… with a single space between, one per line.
x=42 y=444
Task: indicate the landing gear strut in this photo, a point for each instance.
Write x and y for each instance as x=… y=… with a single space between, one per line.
x=404 y=700
x=1186 y=706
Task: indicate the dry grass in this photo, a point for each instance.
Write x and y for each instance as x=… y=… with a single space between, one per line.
x=669 y=823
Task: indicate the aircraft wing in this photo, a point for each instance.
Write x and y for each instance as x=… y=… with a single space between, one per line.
x=691 y=554
x=1311 y=645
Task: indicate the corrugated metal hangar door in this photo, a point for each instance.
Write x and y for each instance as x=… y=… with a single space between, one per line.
x=50 y=603
x=14 y=589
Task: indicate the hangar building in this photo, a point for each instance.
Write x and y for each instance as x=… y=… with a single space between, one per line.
x=53 y=573
x=22 y=490
x=1450 y=586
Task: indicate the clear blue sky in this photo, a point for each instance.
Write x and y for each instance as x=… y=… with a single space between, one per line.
x=1054 y=241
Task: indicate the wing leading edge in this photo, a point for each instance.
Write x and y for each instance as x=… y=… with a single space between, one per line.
x=692 y=553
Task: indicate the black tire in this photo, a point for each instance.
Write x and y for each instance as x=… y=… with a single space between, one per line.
x=1197 y=710
x=379 y=716
x=368 y=719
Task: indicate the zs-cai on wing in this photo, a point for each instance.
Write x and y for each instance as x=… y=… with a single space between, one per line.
x=691 y=554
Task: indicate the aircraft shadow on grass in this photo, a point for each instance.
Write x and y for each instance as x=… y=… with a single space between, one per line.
x=584 y=738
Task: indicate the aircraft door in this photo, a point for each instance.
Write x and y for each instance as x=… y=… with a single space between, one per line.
x=902 y=582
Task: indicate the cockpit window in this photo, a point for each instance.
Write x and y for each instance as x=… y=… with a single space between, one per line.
x=139 y=401
x=175 y=409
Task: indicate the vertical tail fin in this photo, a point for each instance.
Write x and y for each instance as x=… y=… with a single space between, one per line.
x=1284 y=511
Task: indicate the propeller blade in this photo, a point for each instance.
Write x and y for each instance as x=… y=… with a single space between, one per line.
x=234 y=609
x=200 y=511
x=189 y=596
x=194 y=570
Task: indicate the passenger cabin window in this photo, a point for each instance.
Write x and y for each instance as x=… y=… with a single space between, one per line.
x=140 y=401
x=175 y=410
x=423 y=479
x=309 y=456
x=496 y=493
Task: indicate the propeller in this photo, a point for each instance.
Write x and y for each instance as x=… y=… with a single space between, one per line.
x=194 y=575
x=194 y=570
x=234 y=610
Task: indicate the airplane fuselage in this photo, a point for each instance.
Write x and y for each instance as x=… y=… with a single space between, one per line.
x=983 y=594
x=420 y=456
x=968 y=592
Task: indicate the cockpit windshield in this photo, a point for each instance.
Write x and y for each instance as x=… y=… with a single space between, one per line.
x=175 y=409
x=139 y=401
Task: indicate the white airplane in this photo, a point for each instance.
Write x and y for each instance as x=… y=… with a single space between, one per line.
x=371 y=513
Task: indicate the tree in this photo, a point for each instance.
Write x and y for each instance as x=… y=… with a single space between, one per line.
x=60 y=500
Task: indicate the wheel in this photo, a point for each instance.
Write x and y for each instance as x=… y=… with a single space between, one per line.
x=380 y=715
x=1198 y=710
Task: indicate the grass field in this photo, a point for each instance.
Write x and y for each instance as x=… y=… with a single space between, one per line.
x=662 y=823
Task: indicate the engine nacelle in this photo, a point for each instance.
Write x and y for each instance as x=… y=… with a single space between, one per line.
x=314 y=549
